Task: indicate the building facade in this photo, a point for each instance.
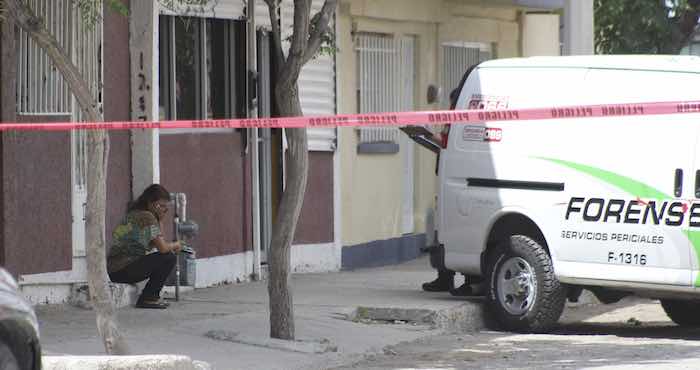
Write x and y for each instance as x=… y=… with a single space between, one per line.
x=369 y=192
x=403 y=55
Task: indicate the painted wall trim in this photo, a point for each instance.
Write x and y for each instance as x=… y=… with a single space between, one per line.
x=541 y=4
x=53 y=287
x=306 y=258
x=377 y=148
x=232 y=268
x=382 y=252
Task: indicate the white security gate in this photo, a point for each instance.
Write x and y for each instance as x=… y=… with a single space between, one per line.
x=41 y=89
x=386 y=79
x=87 y=55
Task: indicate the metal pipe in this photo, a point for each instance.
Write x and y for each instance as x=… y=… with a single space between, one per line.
x=180 y=200
x=251 y=64
x=176 y=223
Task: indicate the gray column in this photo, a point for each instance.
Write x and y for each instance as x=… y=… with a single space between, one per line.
x=578 y=27
x=143 y=44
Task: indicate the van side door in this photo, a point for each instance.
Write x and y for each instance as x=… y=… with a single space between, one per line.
x=630 y=184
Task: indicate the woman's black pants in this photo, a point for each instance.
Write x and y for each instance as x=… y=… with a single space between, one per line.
x=155 y=267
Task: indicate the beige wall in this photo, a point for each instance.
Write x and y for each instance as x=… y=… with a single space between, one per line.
x=371 y=183
x=540 y=35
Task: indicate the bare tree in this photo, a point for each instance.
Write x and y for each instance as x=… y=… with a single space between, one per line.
x=308 y=36
x=98 y=152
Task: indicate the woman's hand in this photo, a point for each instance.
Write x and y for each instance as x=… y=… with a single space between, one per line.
x=165 y=247
x=176 y=247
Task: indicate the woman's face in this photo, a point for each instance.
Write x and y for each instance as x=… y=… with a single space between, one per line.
x=160 y=208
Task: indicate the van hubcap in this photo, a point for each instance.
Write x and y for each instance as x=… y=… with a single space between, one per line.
x=517 y=287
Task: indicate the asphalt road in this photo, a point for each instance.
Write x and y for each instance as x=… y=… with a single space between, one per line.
x=632 y=334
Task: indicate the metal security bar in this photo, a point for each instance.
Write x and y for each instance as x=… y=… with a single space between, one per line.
x=457 y=58
x=386 y=74
x=40 y=87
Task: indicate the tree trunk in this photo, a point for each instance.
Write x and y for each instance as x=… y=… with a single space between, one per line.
x=305 y=42
x=98 y=152
x=100 y=294
x=281 y=305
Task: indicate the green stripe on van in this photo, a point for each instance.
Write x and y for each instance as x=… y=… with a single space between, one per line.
x=636 y=189
x=694 y=237
x=633 y=187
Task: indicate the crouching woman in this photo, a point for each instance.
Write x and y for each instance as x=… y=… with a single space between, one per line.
x=139 y=251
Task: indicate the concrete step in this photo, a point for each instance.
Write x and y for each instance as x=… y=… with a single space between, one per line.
x=458 y=318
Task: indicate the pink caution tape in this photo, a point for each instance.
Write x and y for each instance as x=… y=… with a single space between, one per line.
x=384 y=119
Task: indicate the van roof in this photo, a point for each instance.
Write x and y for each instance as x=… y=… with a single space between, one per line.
x=670 y=63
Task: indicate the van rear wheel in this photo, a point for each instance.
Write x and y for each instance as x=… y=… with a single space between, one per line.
x=8 y=361
x=523 y=292
x=682 y=312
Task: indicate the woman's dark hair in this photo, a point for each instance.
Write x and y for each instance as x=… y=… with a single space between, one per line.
x=152 y=194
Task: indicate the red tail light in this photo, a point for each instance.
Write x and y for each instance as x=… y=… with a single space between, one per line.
x=444 y=136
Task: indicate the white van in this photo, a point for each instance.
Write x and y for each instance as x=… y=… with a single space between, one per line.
x=541 y=209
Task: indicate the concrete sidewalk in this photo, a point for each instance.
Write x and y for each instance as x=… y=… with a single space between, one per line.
x=340 y=317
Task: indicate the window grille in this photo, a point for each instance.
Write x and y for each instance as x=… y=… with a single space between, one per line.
x=457 y=58
x=386 y=74
x=41 y=88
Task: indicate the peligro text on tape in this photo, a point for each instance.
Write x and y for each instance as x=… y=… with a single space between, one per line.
x=383 y=119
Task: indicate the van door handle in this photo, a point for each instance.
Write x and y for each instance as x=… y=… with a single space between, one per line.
x=697 y=183
x=678 y=183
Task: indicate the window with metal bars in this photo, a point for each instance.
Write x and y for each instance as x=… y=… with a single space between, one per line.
x=457 y=57
x=41 y=88
x=386 y=78
x=201 y=70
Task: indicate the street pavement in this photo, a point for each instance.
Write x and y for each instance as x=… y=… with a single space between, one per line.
x=375 y=319
x=632 y=334
x=228 y=326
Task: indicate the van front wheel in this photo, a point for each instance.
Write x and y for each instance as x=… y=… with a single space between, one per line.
x=682 y=312
x=524 y=294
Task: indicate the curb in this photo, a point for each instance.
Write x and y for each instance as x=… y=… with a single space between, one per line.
x=461 y=318
x=302 y=346
x=149 y=362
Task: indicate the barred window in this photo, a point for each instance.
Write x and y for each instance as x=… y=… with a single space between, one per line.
x=457 y=58
x=386 y=73
x=41 y=88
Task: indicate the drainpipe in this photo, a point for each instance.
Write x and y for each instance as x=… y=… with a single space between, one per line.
x=251 y=69
x=180 y=216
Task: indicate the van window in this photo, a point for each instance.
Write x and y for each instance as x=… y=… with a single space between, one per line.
x=454 y=97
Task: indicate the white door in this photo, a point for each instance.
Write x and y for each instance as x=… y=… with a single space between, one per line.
x=637 y=167
x=87 y=55
x=79 y=191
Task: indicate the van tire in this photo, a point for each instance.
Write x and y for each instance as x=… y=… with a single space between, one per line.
x=682 y=312
x=8 y=361
x=538 y=299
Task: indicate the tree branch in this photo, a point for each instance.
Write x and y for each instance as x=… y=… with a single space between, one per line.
x=320 y=25
x=273 y=7
x=300 y=38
